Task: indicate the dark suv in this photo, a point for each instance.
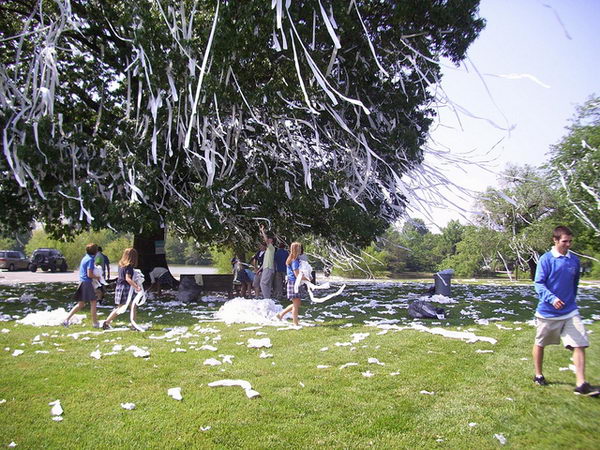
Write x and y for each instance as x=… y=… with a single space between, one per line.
x=48 y=259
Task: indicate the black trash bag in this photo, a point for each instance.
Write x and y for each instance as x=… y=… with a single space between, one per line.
x=425 y=310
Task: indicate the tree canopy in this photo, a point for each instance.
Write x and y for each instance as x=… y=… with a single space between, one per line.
x=575 y=164
x=210 y=115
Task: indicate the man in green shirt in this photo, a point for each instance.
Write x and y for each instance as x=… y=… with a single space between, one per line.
x=268 y=266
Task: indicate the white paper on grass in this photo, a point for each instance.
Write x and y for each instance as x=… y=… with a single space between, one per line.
x=128 y=406
x=212 y=362
x=424 y=392
x=245 y=385
x=51 y=318
x=375 y=361
x=210 y=348
x=264 y=354
x=175 y=393
x=227 y=359
x=463 y=335
x=259 y=343
x=350 y=364
x=138 y=352
x=256 y=311
x=56 y=409
x=367 y=374
x=18 y=352
x=96 y=354
x=438 y=298
x=500 y=438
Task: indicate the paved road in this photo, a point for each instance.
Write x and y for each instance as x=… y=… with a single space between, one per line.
x=73 y=276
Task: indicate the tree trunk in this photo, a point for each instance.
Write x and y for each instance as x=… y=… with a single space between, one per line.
x=151 y=251
x=532 y=266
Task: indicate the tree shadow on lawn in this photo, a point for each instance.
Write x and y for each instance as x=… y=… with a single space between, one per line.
x=361 y=303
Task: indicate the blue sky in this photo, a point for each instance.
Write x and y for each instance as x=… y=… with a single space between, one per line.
x=555 y=41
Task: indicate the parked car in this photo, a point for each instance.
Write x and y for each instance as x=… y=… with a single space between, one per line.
x=48 y=259
x=13 y=260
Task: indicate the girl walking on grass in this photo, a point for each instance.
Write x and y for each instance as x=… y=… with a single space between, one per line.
x=85 y=291
x=293 y=272
x=125 y=283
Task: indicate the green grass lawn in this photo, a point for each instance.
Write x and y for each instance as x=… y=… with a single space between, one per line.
x=475 y=395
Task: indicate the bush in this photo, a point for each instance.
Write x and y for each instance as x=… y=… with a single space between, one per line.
x=221 y=259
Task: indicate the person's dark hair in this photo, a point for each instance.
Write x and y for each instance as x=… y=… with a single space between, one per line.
x=560 y=231
x=91 y=249
x=99 y=248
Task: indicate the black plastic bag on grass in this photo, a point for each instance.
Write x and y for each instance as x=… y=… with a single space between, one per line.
x=425 y=310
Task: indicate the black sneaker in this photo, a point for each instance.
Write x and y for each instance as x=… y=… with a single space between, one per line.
x=587 y=390
x=540 y=381
x=106 y=326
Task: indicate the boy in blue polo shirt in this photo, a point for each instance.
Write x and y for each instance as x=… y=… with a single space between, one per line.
x=557 y=316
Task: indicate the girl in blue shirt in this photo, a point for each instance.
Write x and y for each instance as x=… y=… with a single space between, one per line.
x=293 y=265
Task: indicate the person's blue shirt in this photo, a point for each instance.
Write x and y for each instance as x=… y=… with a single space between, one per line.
x=295 y=265
x=556 y=276
x=281 y=256
x=87 y=262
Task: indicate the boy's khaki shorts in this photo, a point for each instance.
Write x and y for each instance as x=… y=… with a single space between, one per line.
x=571 y=331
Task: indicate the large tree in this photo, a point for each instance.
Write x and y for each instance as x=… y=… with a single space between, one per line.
x=211 y=115
x=575 y=164
x=524 y=210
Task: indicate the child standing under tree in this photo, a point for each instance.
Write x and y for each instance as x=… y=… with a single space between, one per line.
x=293 y=271
x=85 y=291
x=124 y=284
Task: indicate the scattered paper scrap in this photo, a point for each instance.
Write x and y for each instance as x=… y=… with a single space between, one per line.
x=138 y=352
x=367 y=374
x=128 y=406
x=210 y=348
x=57 y=409
x=424 y=392
x=500 y=438
x=375 y=361
x=212 y=362
x=206 y=428
x=245 y=385
x=323 y=366
x=96 y=354
x=175 y=393
x=264 y=354
x=463 y=335
x=259 y=343
x=350 y=364
x=17 y=352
